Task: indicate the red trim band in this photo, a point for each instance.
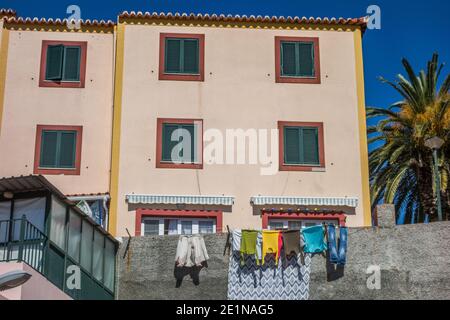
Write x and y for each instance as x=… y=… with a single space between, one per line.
x=310 y=80
x=201 y=57
x=169 y=165
x=63 y=84
x=37 y=150
x=267 y=215
x=291 y=167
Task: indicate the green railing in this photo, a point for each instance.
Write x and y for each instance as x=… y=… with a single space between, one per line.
x=21 y=241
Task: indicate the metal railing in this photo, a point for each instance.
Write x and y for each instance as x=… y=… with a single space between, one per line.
x=21 y=241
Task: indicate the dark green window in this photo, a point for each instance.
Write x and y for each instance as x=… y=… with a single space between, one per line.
x=173 y=138
x=63 y=63
x=58 y=149
x=181 y=56
x=297 y=59
x=301 y=145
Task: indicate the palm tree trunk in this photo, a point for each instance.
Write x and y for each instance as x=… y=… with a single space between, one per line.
x=445 y=205
x=426 y=196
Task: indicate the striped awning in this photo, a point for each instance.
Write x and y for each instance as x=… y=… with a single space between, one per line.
x=177 y=199
x=305 y=201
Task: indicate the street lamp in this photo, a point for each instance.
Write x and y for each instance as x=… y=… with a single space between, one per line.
x=435 y=144
x=13 y=279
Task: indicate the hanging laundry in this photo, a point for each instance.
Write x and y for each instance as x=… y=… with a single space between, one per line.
x=337 y=256
x=271 y=244
x=248 y=244
x=259 y=246
x=314 y=238
x=289 y=281
x=191 y=251
x=291 y=242
x=236 y=240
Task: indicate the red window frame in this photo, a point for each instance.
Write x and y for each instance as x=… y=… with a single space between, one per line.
x=37 y=152
x=169 y=165
x=267 y=215
x=201 y=57
x=293 y=167
x=308 y=80
x=161 y=213
x=63 y=84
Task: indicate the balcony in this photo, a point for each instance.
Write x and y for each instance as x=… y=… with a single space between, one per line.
x=39 y=226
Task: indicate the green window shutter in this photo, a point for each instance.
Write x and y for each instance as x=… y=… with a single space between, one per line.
x=191 y=129
x=67 y=149
x=301 y=145
x=49 y=141
x=305 y=59
x=172 y=56
x=71 y=70
x=54 y=63
x=190 y=56
x=181 y=56
x=291 y=145
x=297 y=59
x=288 y=61
x=58 y=149
x=167 y=143
x=310 y=146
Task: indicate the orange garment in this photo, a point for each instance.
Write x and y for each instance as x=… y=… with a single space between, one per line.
x=271 y=244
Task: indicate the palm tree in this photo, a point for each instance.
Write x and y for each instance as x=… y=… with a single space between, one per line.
x=401 y=166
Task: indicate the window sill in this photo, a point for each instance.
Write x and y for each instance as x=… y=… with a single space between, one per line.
x=58 y=171
x=306 y=80
x=61 y=84
x=172 y=165
x=301 y=167
x=181 y=77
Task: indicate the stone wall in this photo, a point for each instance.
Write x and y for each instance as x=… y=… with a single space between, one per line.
x=414 y=262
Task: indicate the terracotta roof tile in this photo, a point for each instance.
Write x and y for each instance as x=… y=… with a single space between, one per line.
x=244 y=18
x=7 y=12
x=10 y=17
x=57 y=22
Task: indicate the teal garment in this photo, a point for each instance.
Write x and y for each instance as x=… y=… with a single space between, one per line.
x=314 y=238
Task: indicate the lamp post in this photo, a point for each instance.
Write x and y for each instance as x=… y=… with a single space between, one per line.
x=13 y=279
x=435 y=144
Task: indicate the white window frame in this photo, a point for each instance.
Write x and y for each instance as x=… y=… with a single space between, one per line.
x=195 y=223
x=303 y=222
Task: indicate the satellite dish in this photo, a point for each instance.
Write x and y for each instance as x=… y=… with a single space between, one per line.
x=13 y=279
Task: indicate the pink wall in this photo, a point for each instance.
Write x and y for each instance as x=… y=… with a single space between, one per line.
x=27 y=105
x=36 y=288
x=239 y=91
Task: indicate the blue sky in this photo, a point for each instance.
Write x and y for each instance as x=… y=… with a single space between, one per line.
x=411 y=29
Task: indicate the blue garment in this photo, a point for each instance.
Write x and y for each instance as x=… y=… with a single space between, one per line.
x=314 y=239
x=337 y=255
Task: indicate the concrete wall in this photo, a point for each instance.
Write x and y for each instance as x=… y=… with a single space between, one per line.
x=26 y=105
x=239 y=91
x=414 y=261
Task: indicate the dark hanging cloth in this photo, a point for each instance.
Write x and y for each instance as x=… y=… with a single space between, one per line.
x=291 y=242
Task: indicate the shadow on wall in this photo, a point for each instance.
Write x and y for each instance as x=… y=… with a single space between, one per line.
x=194 y=272
x=334 y=271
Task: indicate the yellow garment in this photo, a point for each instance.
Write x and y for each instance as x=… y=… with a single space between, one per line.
x=270 y=244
